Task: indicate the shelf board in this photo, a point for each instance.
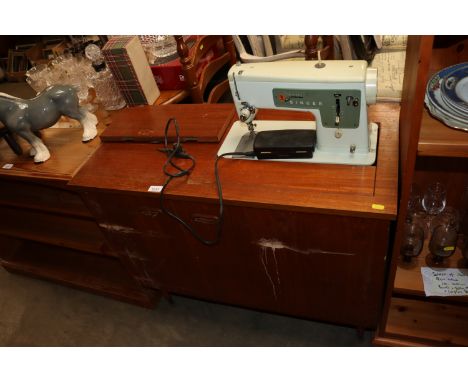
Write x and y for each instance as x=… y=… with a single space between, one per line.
x=45 y=197
x=408 y=279
x=437 y=139
x=423 y=322
x=80 y=234
x=97 y=274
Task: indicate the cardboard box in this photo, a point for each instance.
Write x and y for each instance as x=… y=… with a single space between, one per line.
x=127 y=61
x=168 y=70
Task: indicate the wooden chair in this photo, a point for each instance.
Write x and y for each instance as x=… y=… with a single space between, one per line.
x=313 y=45
x=261 y=49
x=196 y=82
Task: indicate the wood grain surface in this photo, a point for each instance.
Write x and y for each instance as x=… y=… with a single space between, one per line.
x=102 y=275
x=68 y=153
x=343 y=189
x=311 y=265
x=198 y=122
x=429 y=152
x=299 y=239
x=46 y=231
x=168 y=97
x=408 y=278
x=437 y=139
x=429 y=322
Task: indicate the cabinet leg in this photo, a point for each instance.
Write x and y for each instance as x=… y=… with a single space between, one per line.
x=168 y=297
x=360 y=332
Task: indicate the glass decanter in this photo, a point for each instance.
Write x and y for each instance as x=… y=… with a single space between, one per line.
x=107 y=91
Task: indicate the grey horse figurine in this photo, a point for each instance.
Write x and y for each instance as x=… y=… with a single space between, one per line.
x=26 y=117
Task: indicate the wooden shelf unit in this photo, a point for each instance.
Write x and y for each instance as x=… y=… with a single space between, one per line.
x=46 y=230
x=413 y=322
x=437 y=139
x=408 y=278
x=68 y=232
x=429 y=152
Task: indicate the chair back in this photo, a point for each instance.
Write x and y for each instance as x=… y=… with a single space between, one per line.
x=198 y=79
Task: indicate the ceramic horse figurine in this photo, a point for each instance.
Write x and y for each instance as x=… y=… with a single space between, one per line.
x=26 y=117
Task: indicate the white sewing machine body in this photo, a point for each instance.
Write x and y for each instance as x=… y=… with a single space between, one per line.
x=336 y=92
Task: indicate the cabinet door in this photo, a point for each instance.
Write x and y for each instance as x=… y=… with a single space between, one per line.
x=312 y=265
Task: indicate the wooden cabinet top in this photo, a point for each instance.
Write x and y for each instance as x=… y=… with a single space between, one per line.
x=342 y=189
x=68 y=153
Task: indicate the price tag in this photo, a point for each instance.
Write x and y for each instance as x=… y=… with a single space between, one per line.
x=8 y=166
x=155 y=188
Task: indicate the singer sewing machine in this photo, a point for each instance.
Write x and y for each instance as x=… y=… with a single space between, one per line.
x=335 y=92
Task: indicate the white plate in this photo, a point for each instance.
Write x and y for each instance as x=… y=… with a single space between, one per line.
x=447 y=120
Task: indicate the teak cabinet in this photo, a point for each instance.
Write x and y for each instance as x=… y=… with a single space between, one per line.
x=298 y=239
x=47 y=232
x=429 y=152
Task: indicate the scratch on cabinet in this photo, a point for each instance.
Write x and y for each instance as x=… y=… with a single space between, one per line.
x=150 y=212
x=117 y=228
x=264 y=260
x=273 y=245
x=130 y=230
x=138 y=262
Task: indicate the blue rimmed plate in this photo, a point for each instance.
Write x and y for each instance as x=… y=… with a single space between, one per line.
x=438 y=105
x=455 y=86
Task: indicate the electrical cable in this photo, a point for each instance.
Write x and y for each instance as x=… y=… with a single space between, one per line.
x=177 y=151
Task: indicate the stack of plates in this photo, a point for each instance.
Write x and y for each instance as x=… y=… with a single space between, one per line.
x=447 y=96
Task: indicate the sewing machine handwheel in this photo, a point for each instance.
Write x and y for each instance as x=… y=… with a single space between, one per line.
x=12 y=143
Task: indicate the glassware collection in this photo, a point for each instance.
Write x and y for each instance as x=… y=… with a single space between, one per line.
x=158 y=46
x=79 y=71
x=65 y=69
x=430 y=218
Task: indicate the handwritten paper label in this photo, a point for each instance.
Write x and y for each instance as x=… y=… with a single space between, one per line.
x=155 y=188
x=445 y=281
x=7 y=166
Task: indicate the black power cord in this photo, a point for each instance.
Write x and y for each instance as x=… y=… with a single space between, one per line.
x=177 y=151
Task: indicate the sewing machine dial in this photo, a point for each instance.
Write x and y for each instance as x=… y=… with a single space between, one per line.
x=338 y=108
